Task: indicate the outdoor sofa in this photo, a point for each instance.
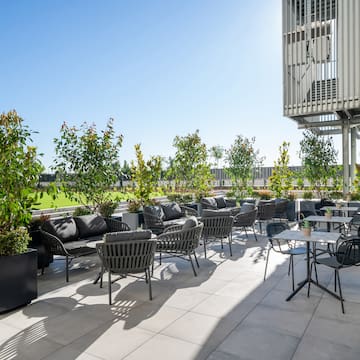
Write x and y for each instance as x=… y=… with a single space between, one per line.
x=220 y=203
x=158 y=217
x=70 y=236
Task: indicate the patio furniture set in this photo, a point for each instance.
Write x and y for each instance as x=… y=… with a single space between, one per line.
x=174 y=230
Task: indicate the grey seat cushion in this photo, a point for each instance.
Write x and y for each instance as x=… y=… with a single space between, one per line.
x=90 y=225
x=209 y=200
x=220 y=202
x=65 y=229
x=127 y=235
x=190 y=223
x=155 y=210
x=212 y=213
x=171 y=211
x=180 y=221
x=245 y=207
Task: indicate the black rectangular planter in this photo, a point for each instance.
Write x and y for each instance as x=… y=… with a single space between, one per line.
x=18 y=280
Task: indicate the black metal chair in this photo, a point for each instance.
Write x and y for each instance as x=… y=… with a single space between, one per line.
x=347 y=253
x=282 y=247
x=246 y=220
x=127 y=258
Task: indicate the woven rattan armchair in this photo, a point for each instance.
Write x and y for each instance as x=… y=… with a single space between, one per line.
x=246 y=220
x=266 y=212
x=127 y=258
x=180 y=242
x=217 y=227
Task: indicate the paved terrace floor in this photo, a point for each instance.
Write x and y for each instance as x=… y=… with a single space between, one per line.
x=227 y=312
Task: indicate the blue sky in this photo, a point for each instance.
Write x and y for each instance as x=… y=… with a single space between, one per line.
x=160 y=68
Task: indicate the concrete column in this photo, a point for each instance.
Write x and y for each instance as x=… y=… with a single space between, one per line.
x=353 y=155
x=345 y=156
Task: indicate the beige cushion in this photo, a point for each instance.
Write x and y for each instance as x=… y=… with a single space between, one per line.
x=190 y=223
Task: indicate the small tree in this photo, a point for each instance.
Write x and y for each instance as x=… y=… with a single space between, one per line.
x=318 y=157
x=190 y=167
x=281 y=177
x=20 y=169
x=86 y=163
x=241 y=159
x=146 y=175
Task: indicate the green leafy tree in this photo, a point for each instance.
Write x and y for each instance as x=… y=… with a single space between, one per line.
x=241 y=159
x=318 y=157
x=280 y=181
x=86 y=163
x=190 y=167
x=20 y=169
x=146 y=175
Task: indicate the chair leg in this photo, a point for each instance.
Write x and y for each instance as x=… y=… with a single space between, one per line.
x=335 y=280
x=205 y=248
x=160 y=258
x=192 y=265
x=101 y=276
x=311 y=266
x=230 y=240
x=267 y=260
x=246 y=233
x=292 y=272
x=67 y=268
x=109 y=285
x=253 y=227
x=148 y=276
x=197 y=263
x=222 y=245
x=260 y=227
x=340 y=293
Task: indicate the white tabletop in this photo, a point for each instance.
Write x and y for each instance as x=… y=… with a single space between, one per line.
x=332 y=219
x=342 y=208
x=315 y=236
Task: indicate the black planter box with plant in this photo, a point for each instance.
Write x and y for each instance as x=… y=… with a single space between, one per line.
x=18 y=280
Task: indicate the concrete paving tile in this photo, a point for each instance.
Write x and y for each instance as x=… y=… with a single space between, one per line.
x=68 y=353
x=285 y=321
x=336 y=331
x=112 y=341
x=313 y=347
x=163 y=347
x=258 y=343
x=200 y=329
x=220 y=306
x=152 y=317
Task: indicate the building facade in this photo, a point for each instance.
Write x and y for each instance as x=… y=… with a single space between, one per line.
x=321 y=70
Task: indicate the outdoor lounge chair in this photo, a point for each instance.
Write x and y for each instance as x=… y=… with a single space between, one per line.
x=246 y=220
x=181 y=241
x=127 y=257
x=217 y=226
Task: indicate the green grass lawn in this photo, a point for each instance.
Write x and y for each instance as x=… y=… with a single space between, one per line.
x=47 y=202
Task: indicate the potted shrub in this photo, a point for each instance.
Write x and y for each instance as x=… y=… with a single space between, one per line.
x=306 y=228
x=132 y=216
x=19 y=173
x=328 y=213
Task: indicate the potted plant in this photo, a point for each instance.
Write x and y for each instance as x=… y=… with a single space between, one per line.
x=328 y=213
x=306 y=228
x=132 y=216
x=19 y=173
